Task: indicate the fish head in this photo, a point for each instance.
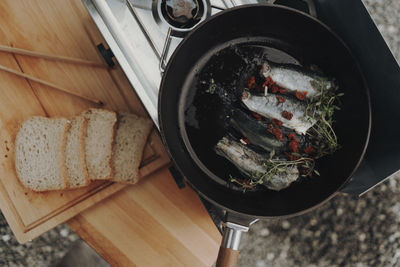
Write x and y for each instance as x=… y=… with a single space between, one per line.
x=265 y=69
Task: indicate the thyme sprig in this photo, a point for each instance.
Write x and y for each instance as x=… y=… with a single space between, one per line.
x=321 y=108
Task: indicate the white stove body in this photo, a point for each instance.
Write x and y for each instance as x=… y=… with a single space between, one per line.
x=137 y=41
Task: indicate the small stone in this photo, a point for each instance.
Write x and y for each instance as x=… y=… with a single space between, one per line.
x=264 y=232
x=363 y=247
x=313 y=222
x=64 y=232
x=73 y=238
x=394 y=236
x=60 y=254
x=362 y=237
x=317 y=233
x=392 y=184
x=339 y=211
x=381 y=217
x=260 y=263
x=283 y=255
x=285 y=225
x=270 y=256
x=21 y=251
x=392 y=29
x=6 y=238
x=294 y=231
x=334 y=238
x=47 y=249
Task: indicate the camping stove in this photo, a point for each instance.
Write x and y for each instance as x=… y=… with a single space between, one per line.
x=143 y=34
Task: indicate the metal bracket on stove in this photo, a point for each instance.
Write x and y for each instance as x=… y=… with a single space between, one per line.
x=165 y=51
x=107 y=54
x=180 y=182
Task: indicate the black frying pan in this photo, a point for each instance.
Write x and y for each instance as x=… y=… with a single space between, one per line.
x=296 y=37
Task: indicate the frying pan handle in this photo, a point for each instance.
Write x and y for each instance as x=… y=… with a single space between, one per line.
x=227 y=257
x=229 y=250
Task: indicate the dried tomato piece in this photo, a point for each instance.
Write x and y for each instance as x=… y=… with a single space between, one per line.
x=277 y=132
x=274 y=89
x=252 y=82
x=268 y=82
x=310 y=150
x=277 y=122
x=257 y=116
x=287 y=115
x=292 y=137
x=282 y=91
x=280 y=99
x=301 y=95
x=294 y=146
x=293 y=143
x=246 y=141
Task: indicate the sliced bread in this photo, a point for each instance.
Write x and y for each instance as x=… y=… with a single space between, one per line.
x=39 y=153
x=130 y=139
x=75 y=153
x=99 y=142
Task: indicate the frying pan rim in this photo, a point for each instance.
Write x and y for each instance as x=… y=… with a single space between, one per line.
x=364 y=85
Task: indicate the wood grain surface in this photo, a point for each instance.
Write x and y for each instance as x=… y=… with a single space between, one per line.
x=60 y=28
x=153 y=224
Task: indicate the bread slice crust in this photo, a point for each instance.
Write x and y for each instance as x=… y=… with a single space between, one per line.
x=80 y=122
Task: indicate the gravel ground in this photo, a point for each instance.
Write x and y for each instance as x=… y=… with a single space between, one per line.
x=46 y=250
x=348 y=231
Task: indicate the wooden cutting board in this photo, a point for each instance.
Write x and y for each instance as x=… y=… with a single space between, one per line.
x=61 y=28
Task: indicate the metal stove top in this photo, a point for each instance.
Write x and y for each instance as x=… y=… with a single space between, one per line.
x=142 y=39
x=142 y=34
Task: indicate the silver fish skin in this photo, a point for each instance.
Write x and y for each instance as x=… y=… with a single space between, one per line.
x=254 y=131
x=250 y=163
x=295 y=78
x=269 y=107
x=246 y=160
x=279 y=182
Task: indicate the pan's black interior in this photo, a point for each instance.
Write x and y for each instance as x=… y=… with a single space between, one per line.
x=306 y=41
x=229 y=69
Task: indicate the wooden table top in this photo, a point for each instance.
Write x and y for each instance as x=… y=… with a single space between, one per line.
x=174 y=230
x=153 y=223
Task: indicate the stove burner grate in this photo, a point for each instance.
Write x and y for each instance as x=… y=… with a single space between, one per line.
x=182 y=13
x=181 y=16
